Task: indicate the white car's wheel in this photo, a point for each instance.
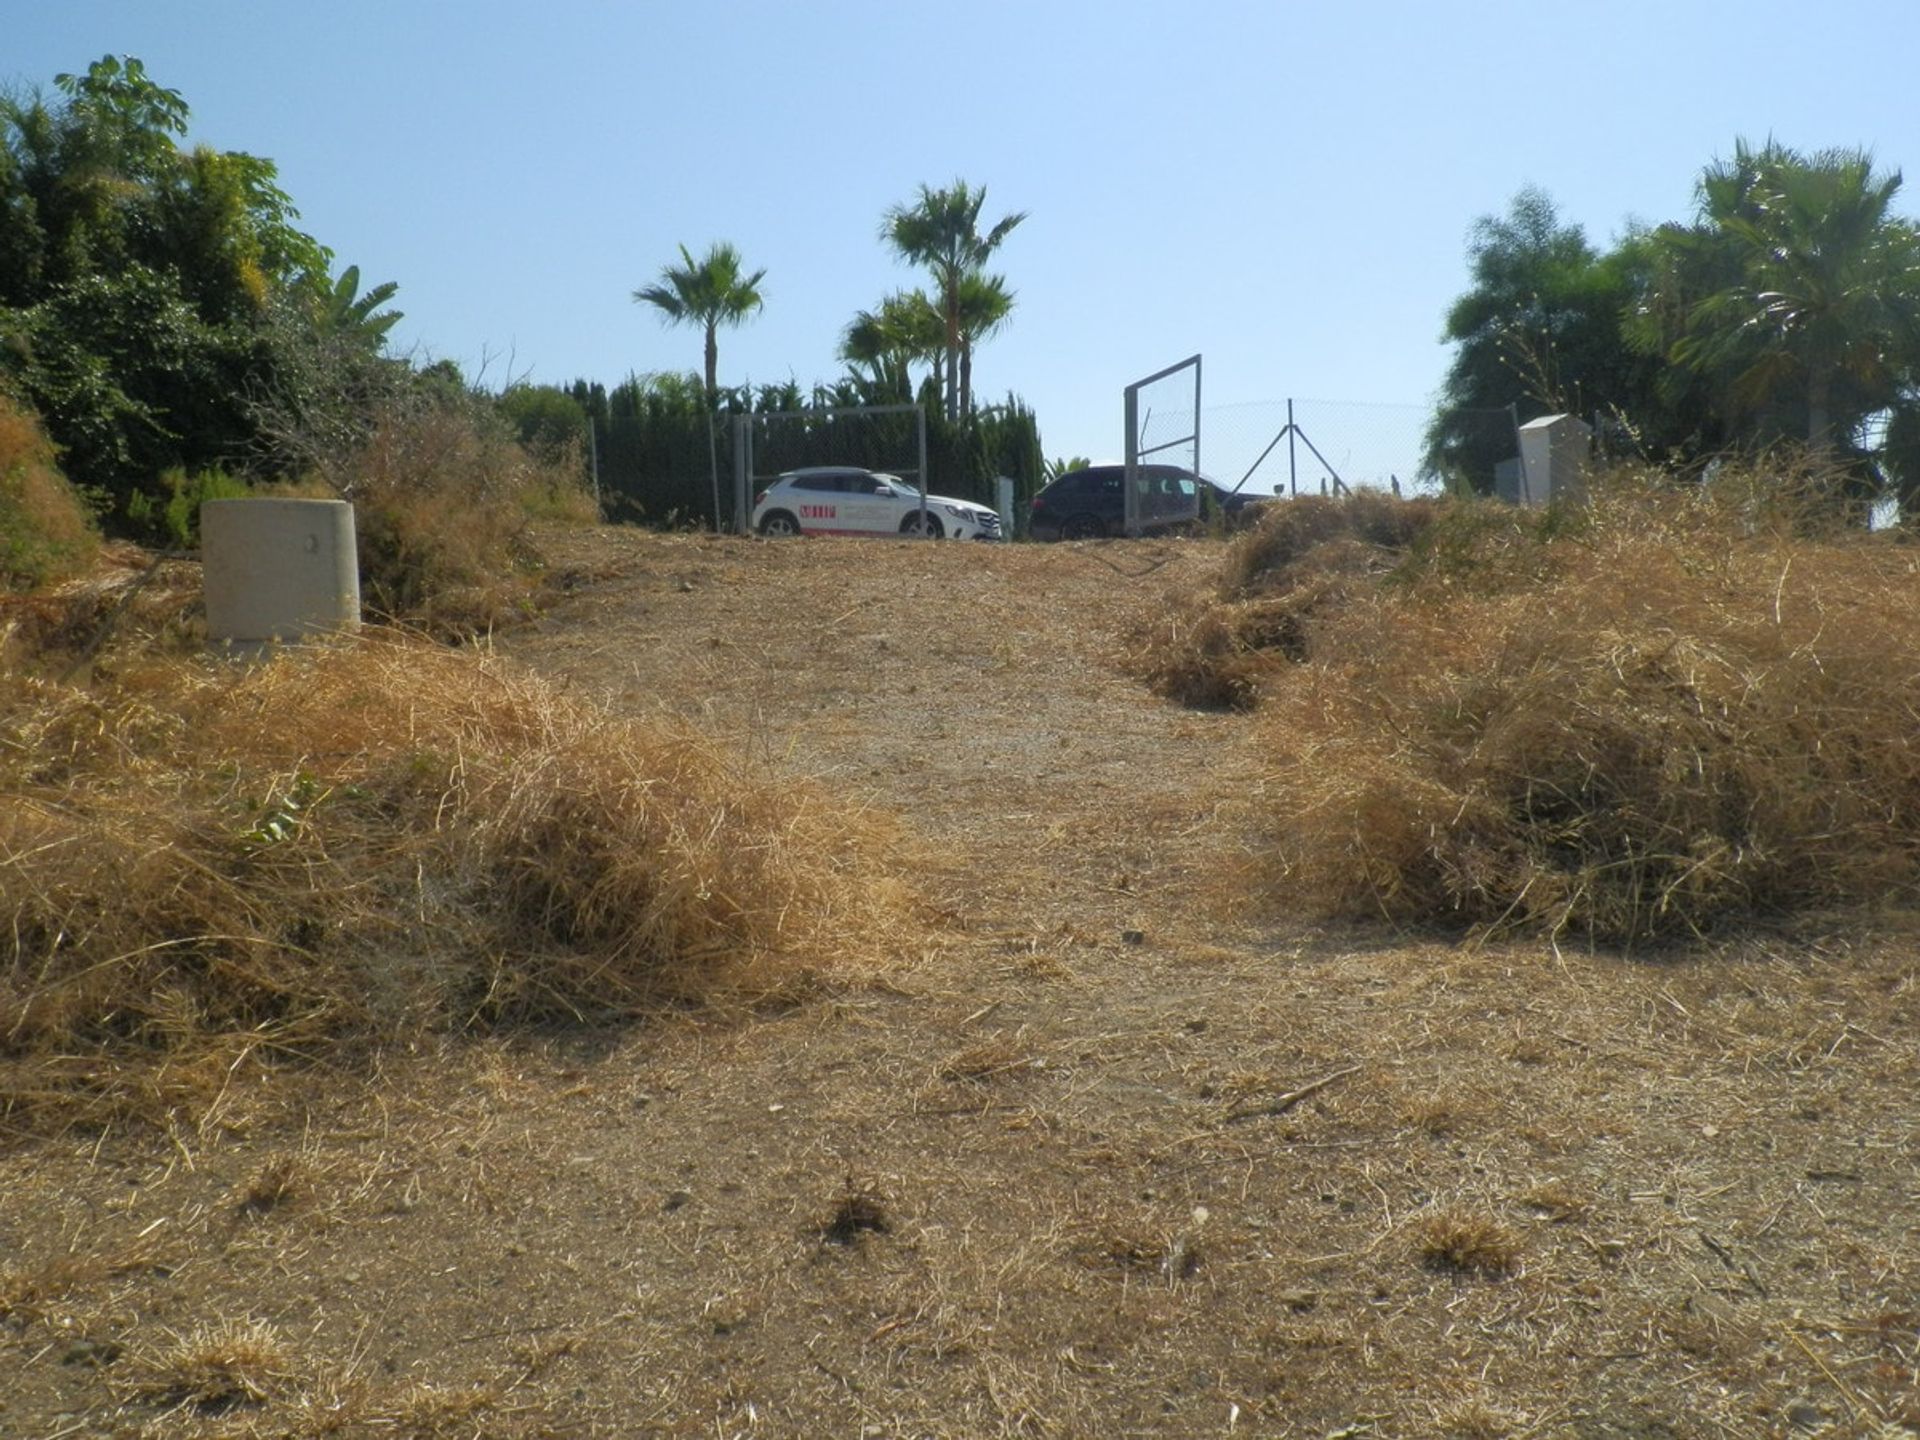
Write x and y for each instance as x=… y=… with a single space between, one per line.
x=779 y=525
x=911 y=526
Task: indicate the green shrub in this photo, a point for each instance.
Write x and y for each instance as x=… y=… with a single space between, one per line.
x=177 y=518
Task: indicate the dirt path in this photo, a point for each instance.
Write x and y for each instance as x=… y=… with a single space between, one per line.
x=1100 y=1160
x=970 y=689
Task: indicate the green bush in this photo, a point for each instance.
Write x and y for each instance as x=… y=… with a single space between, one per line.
x=177 y=518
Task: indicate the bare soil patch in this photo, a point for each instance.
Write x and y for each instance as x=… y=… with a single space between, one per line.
x=1096 y=1155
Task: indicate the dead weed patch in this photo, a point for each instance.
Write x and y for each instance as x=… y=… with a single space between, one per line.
x=1664 y=715
x=202 y=867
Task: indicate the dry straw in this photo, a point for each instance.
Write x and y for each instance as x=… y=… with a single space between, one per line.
x=45 y=531
x=199 y=864
x=216 y=1367
x=443 y=498
x=1304 y=560
x=1673 y=711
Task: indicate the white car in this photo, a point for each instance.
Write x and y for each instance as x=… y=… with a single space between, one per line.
x=842 y=500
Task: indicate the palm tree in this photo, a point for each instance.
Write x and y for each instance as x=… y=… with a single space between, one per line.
x=1814 y=305
x=942 y=232
x=906 y=328
x=709 y=292
x=985 y=305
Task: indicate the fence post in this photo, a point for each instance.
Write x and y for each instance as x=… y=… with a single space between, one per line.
x=1293 y=459
x=742 y=470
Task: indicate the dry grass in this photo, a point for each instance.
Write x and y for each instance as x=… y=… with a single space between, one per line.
x=443 y=498
x=201 y=865
x=29 y=1292
x=130 y=605
x=216 y=1367
x=1707 y=1163
x=1466 y=1242
x=46 y=533
x=1263 y=560
x=860 y=1210
x=280 y=1181
x=1303 y=561
x=1676 y=711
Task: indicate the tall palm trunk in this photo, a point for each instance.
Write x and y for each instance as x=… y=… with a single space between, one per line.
x=1820 y=408
x=713 y=419
x=953 y=353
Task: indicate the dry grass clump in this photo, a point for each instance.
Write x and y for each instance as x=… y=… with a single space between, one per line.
x=217 y=1366
x=1262 y=561
x=860 y=1210
x=442 y=498
x=1301 y=562
x=46 y=533
x=1133 y=1245
x=279 y=1181
x=129 y=602
x=199 y=863
x=1699 y=712
x=1465 y=1243
x=1217 y=655
x=26 y=1292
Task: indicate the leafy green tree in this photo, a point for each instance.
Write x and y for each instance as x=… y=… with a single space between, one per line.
x=80 y=175
x=709 y=292
x=1795 y=294
x=546 y=419
x=941 y=231
x=1538 y=331
x=98 y=181
x=152 y=298
x=129 y=378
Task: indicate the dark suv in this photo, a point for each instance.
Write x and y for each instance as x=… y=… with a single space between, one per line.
x=1091 y=503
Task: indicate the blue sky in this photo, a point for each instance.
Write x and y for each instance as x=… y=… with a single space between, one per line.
x=1284 y=188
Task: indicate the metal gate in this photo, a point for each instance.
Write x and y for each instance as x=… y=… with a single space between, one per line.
x=1167 y=426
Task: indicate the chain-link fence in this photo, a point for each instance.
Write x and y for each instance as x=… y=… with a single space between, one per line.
x=1319 y=447
x=1314 y=447
x=659 y=460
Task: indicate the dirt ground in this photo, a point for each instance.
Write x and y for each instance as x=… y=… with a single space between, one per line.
x=1104 y=1154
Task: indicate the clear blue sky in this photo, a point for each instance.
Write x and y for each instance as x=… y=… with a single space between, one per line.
x=1285 y=188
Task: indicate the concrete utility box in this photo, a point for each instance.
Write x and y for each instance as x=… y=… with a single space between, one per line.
x=277 y=570
x=1553 y=458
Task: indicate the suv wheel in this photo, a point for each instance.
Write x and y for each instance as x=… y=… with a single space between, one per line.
x=778 y=525
x=911 y=526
